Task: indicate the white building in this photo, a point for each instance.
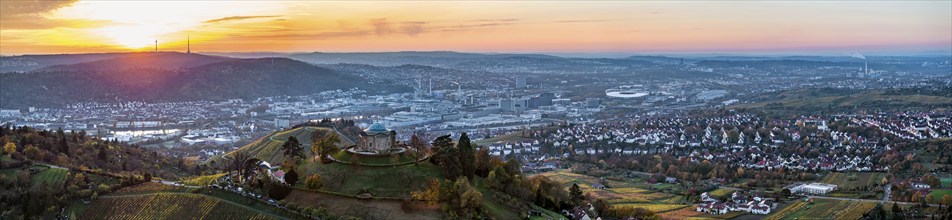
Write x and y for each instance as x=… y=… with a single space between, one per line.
x=813 y=188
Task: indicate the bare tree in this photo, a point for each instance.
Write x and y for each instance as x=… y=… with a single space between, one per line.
x=237 y=162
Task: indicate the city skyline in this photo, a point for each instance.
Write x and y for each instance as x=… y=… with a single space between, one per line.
x=569 y=27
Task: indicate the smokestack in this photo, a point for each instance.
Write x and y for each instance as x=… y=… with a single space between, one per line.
x=431 y=86
x=866 y=68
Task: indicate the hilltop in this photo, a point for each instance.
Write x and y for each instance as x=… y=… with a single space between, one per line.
x=173 y=77
x=398 y=186
x=268 y=148
x=163 y=60
x=25 y=63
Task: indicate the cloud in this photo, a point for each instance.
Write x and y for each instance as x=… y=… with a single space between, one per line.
x=381 y=26
x=29 y=14
x=36 y=22
x=495 y=20
x=299 y=36
x=34 y=7
x=235 y=18
x=468 y=26
x=413 y=28
x=580 y=21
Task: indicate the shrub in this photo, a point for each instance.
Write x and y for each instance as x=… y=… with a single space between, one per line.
x=278 y=191
x=315 y=181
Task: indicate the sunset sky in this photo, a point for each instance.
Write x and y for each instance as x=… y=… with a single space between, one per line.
x=31 y=27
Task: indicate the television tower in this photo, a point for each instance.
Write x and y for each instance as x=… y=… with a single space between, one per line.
x=156 y=46
x=189 y=44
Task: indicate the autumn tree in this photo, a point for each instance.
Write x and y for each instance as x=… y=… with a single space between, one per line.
x=315 y=181
x=9 y=148
x=325 y=145
x=31 y=152
x=418 y=147
x=429 y=194
x=484 y=162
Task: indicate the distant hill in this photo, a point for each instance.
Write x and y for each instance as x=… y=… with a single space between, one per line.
x=497 y=63
x=430 y=58
x=838 y=100
x=23 y=63
x=141 y=61
x=173 y=77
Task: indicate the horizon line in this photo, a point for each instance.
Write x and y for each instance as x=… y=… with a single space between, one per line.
x=606 y=54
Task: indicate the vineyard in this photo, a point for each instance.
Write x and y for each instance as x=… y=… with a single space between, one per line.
x=787 y=211
x=167 y=206
x=683 y=213
x=268 y=148
x=626 y=194
x=657 y=208
x=146 y=188
x=820 y=208
x=203 y=180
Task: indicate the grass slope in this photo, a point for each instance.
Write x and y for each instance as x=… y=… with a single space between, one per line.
x=268 y=148
x=51 y=177
x=395 y=181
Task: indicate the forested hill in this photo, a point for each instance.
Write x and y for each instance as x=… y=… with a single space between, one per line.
x=173 y=77
x=140 y=61
x=78 y=151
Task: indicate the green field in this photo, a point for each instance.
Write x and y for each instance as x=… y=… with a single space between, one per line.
x=169 y=206
x=721 y=193
x=938 y=193
x=859 y=179
x=511 y=137
x=396 y=181
x=51 y=177
x=360 y=208
x=345 y=157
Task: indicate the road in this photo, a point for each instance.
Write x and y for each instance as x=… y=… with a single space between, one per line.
x=170 y=183
x=887 y=192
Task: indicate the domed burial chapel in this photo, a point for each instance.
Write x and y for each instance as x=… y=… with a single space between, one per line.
x=377 y=140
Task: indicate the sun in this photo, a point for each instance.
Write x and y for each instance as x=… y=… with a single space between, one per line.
x=131 y=36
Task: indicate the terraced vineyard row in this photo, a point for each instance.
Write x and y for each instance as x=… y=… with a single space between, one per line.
x=657 y=208
x=167 y=206
x=786 y=211
x=203 y=180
